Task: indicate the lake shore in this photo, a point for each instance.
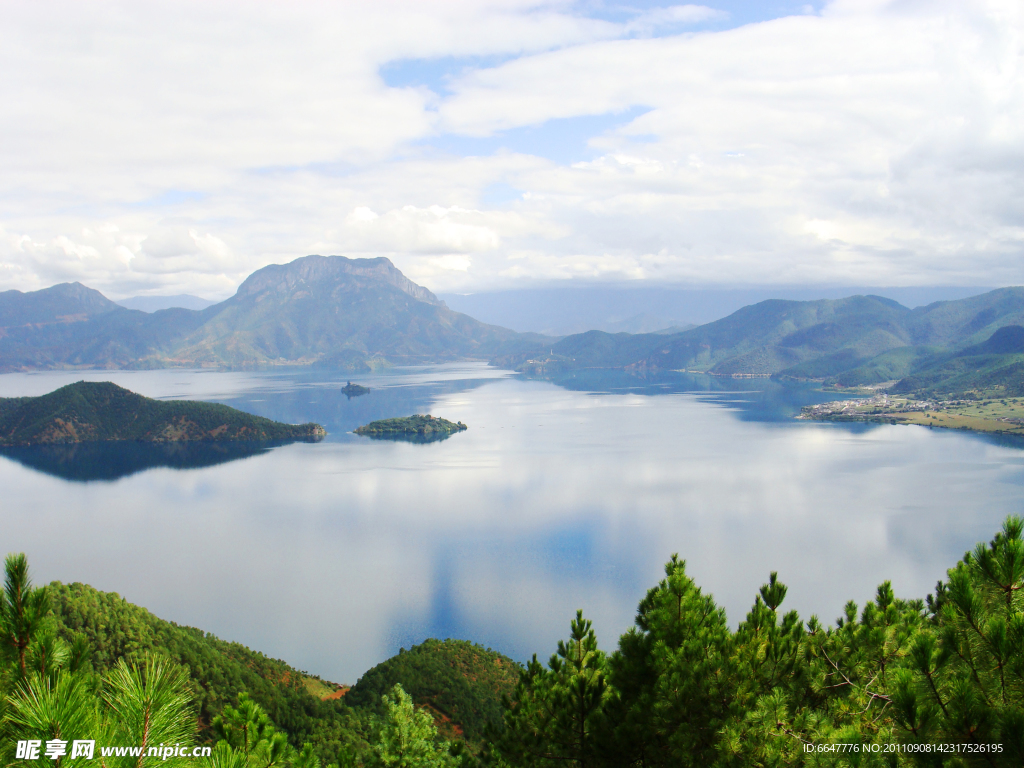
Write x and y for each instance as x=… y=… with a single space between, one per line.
x=992 y=415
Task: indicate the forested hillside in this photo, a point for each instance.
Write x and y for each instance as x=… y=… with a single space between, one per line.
x=462 y=682
x=218 y=671
x=856 y=341
x=895 y=682
x=89 y=411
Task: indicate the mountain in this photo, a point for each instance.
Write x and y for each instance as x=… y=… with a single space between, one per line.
x=323 y=310
x=100 y=411
x=967 y=321
x=765 y=338
x=855 y=340
x=567 y=307
x=995 y=365
x=71 y=326
x=155 y=303
x=334 y=310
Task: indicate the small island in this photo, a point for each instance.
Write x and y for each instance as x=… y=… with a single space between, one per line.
x=94 y=411
x=351 y=390
x=417 y=428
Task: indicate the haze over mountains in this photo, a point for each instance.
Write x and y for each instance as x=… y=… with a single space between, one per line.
x=156 y=303
x=355 y=313
x=638 y=307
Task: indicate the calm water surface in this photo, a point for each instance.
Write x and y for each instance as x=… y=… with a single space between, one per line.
x=560 y=496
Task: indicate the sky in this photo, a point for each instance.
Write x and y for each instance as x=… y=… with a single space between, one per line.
x=162 y=148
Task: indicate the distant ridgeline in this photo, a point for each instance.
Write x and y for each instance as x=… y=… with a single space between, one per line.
x=102 y=411
x=355 y=314
x=945 y=347
x=318 y=310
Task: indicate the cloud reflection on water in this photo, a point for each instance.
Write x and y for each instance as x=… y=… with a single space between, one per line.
x=333 y=555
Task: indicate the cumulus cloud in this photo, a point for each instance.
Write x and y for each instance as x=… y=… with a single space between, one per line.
x=875 y=142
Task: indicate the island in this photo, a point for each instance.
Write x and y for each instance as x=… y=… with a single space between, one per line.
x=94 y=411
x=354 y=390
x=418 y=428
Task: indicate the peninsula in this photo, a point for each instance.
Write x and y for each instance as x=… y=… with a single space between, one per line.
x=1003 y=415
x=413 y=426
x=88 y=411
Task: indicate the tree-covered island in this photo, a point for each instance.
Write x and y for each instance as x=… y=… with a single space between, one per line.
x=92 y=411
x=413 y=426
x=351 y=390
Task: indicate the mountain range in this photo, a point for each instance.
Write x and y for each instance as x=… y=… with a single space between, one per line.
x=857 y=340
x=356 y=313
x=316 y=310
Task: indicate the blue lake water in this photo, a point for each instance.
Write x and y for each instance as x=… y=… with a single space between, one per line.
x=560 y=496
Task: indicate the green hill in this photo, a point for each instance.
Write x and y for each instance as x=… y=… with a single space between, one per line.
x=95 y=411
x=995 y=366
x=461 y=681
x=966 y=322
x=218 y=670
x=854 y=341
x=765 y=338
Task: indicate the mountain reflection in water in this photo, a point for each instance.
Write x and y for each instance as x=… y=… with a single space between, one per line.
x=112 y=460
x=433 y=437
x=557 y=498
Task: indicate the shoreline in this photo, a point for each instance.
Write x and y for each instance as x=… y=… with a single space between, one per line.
x=1003 y=416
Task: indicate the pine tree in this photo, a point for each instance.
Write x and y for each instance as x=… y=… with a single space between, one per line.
x=558 y=710
x=408 y=738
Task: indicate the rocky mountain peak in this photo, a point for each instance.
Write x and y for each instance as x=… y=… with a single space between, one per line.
x=312 y=272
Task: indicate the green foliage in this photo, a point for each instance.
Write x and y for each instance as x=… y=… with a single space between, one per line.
x=90 y=411
x=461 y=681
x=247 y=739
x=22 y=612
x=965 y=683
x=672 y=676
x=218 y=671
x=51 y=699
x=897 y=683
x=558 y=711
x=425 y=426
x=407 y=737
x=936 y=683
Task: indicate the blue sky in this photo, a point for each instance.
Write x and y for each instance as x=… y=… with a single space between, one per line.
x=565 y=140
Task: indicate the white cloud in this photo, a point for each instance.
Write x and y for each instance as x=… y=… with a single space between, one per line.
x=180 y=146
x=672 y=16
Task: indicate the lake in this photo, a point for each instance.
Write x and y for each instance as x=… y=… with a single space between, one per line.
x=561 y=495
